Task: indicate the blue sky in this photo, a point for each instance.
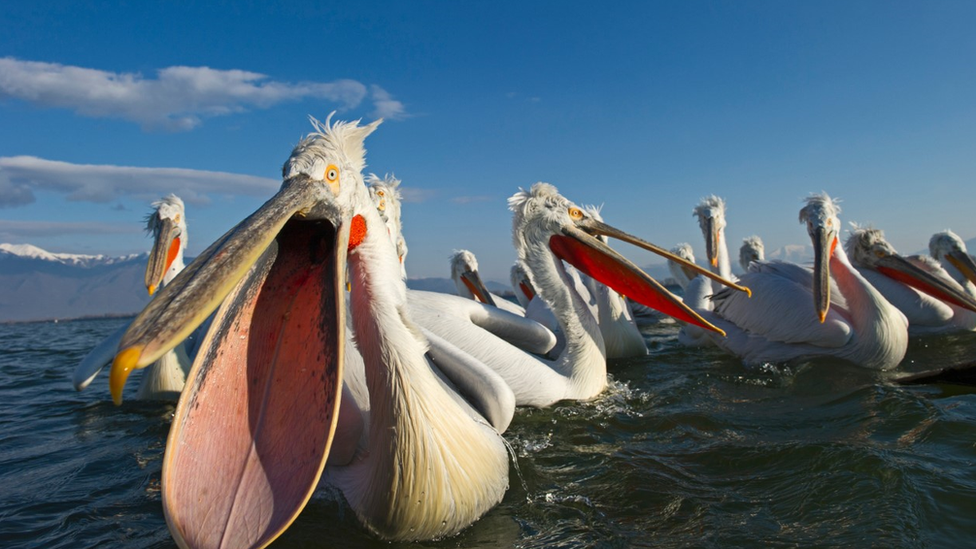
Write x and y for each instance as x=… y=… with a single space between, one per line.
x=643 y=107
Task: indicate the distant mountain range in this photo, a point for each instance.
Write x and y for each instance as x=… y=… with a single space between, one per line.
x=39 y=285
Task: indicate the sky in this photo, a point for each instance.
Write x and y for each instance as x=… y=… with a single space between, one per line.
x=641 y=107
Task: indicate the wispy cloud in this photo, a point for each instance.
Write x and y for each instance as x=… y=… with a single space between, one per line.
x=21 y=176
x=21 y=231
x=472 y=199
x=386 y=106
x=415 y=195
x=179 y=98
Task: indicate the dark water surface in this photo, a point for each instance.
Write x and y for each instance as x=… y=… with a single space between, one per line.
x=686 y=449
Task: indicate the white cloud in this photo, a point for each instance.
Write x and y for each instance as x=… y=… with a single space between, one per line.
x=178 y=98
x=21 y=176
x=18 y=231
x=386 y=106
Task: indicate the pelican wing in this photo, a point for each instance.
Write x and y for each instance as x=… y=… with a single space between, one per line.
x=480 y=385
x=517 y=330
x=781 y=310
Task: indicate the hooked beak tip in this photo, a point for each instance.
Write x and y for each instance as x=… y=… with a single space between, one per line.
x=152 y=289
x=715 y=262
x=823 y=316
x=125 y=361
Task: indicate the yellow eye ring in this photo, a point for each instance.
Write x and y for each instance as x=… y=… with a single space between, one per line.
x=332 y=173
x=575 y=214
x=380 y=193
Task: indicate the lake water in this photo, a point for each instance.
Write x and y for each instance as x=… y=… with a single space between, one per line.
x=686 y=449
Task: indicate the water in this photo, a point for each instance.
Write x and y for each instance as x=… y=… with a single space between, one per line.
x=685 y=449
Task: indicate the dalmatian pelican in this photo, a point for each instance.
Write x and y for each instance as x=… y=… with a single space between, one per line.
x=269 y=374
x=387 y=197
x=164 y=379
x=752 y=249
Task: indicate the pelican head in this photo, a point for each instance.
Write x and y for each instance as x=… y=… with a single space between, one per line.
x=711 y=218
x=265 y=387
x=867 y=247
x=820 y=214
x=521 y=285
x=949 y=250
x=752 y=250
x=385 y=193
x=681 y=273
x=464 y=273
x=543 y=217
x=167 y=225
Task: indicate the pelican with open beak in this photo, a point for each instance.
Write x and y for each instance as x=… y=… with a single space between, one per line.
x=257 y=421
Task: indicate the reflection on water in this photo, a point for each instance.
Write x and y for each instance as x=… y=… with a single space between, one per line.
x=685 y=448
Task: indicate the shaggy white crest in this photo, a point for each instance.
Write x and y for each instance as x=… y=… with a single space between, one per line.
x=684 y=251
x=710 y=207
x=945 y=242
x=544 y=198
x=330 y=142
x=865 y=245
x=819 y=208
x=168 y=207
x=752 y=249
x=462 y=261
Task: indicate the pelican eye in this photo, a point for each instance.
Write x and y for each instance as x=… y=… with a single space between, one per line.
x=879 y=253
x=380 y=193
x=332 y=174
x=575 y=214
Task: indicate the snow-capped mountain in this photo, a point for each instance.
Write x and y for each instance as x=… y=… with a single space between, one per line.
x=39 y=285
x=28 y=251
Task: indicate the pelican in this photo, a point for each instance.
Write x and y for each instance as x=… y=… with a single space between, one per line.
x=547 y=230
x=386 y=195
x=752 y=250
x=711 y=218
x=467 y=280
x=795 y=313
x=164 y=379
x=699 y=291
x=267 y=380
x=950 y=251
x=682 y=274
x=919 y=287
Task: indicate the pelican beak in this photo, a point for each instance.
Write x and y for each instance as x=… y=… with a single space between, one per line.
x=255 y=422
x=712 y=241
x=592 y=226
x=597 y=260
x=824 y=243
x=902 y=270
x=163 y=253
x=964 y=262
x=473 y=281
